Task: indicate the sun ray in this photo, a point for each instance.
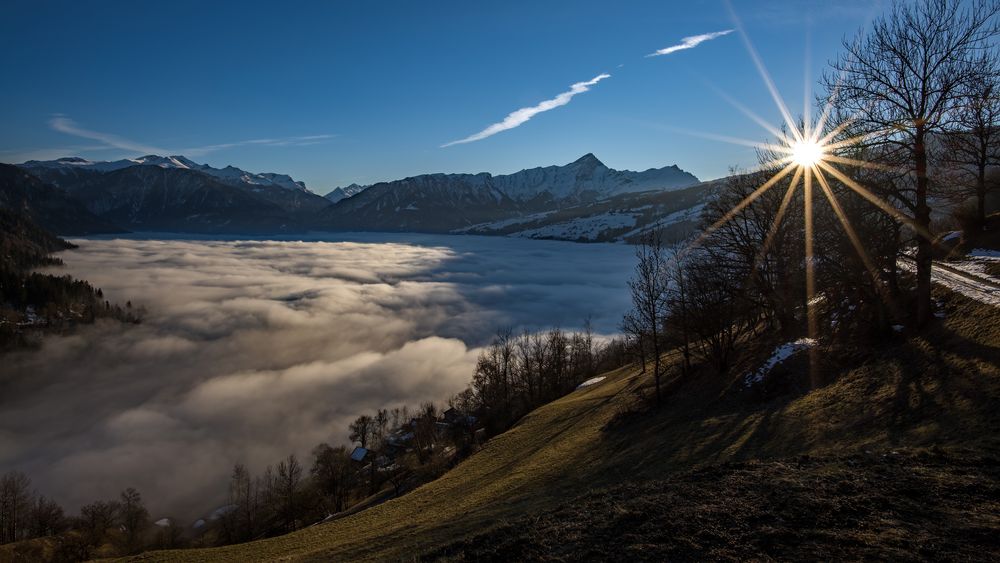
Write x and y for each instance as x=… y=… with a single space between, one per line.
x=825 y=140
x=828 y=106
x=732 y=140
x=874 y=199
x=765 y=76
x=851 y=233
x=771 y=164
x=806 y=91
x=856 y=163
x=746 y=111
x=856 y=140
x=812 y=325
x=778 y=218
x=741 y=205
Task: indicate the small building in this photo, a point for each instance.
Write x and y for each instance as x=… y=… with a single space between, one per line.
x=359 y=454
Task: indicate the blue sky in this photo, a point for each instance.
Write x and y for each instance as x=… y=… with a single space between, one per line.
x=340 y=92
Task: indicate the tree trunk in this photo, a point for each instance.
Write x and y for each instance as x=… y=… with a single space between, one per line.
x=923 y=221
x=981 y=198
x=893 y=266
x=656 y=360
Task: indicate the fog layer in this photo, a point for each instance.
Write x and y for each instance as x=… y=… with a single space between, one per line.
x=251 y=350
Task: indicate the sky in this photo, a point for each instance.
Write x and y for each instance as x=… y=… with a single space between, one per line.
x=335 y=93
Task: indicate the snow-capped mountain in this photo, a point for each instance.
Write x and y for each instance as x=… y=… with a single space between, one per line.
x=582 y=200
x=229 y=175
x=338 y=194
x=587 y=178
x=445 y=202
x=174 y=193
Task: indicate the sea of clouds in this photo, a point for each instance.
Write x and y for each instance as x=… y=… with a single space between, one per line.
x=251 y=350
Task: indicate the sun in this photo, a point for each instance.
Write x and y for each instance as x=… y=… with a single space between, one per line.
x=806 y=153
x=809 y=156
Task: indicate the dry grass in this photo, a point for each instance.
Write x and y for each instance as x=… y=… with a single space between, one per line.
x=899 y=506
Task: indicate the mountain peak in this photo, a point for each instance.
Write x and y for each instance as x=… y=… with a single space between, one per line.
x=588 y=159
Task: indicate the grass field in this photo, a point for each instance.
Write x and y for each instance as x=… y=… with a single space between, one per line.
x=939 y=390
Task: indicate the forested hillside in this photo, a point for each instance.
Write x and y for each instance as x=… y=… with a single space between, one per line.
x=33 y=303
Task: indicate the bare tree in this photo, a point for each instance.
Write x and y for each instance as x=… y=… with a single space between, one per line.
x=361 y=430
x=133 y=519
x=648 y=288
x=96 y=518
x=47 y=518
x=494 y=372
x=399 y=416
x=631 y=327
x=901 y=83
x=425 y=432
x=289 y=477
x=556 y=366
x=719 y=315
x=245 y=497
x=380 y=428
x=15 y=506
x=332 y=473
x=974 y=145
x=678 y=305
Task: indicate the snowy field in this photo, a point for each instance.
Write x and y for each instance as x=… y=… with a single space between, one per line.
x=988 y=293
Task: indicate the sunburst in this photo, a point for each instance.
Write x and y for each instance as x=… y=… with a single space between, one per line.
x=812 y=153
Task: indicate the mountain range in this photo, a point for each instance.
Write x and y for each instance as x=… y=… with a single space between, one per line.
x=176 y=194
x=47 y=205
x=345 y=192
x=446 y=202
x=228 y=175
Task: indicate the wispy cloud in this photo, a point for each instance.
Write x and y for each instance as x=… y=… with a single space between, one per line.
x=66 y=125
x=690 y=42
x=300 y=141
x=518 y=117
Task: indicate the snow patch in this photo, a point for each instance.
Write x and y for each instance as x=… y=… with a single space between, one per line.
x=690 y=214
x=971 y=288
x=780 y=354
x=582 y=228
x=504 y=223
x=591 y=381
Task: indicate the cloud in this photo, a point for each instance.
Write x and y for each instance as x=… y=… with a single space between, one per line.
x=252 y=350
x=690 y=42
x=301 y=141
x=66 y=125
x=518 y=117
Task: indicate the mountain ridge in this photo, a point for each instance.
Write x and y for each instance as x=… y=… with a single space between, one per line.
x=441 y=202
x=228 y=174
x=175 y=193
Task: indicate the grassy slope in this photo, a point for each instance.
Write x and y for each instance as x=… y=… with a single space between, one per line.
x=911 y=393
x=898 y=506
